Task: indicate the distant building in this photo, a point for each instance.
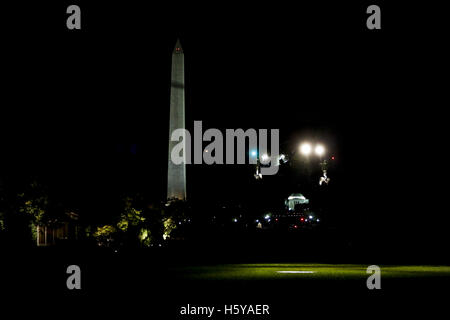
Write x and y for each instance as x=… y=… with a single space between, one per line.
x=294 y=200
x=50 y=234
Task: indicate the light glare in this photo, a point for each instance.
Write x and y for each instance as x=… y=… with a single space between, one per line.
x=305 y=149
x=319 y=150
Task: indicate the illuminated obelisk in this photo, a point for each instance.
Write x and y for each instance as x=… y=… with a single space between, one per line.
x=176 y=173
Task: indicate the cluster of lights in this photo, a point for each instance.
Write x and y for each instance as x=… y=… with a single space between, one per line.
x=310 y=218
x=306 y=149
x=301 y=220
x=264 y=157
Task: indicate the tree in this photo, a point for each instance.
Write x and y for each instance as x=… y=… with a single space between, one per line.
x=22 y=207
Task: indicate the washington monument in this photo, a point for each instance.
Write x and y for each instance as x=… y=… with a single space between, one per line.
x=176 y=173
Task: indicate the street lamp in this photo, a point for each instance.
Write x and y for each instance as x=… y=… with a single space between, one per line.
x=319 y=150
x=254 y=154
x=305 y=149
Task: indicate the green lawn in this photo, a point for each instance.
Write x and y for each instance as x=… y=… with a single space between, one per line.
x=305 y=271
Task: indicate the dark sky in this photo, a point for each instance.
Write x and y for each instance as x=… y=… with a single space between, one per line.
x=74 y=103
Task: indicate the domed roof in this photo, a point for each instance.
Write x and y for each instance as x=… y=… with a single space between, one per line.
x=296 y=196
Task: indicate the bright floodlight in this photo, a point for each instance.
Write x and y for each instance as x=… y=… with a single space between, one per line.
x=253 y=153
x=305 y=149
x=319 y=150
x=265 y=157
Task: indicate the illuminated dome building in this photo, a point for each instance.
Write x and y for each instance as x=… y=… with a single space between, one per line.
x=294 y=200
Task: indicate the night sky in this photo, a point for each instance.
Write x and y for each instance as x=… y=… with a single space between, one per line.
x=88 y=111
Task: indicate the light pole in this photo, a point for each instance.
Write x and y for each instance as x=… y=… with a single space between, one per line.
x=255 y=154
x=306 y=149
x=264 y=159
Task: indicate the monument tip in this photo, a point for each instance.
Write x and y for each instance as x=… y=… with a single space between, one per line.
x=178 y=48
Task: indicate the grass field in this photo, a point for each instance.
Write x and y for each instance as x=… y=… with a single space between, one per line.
x=306 y=271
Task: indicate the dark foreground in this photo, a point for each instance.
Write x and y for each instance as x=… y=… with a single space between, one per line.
x=145 y=285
